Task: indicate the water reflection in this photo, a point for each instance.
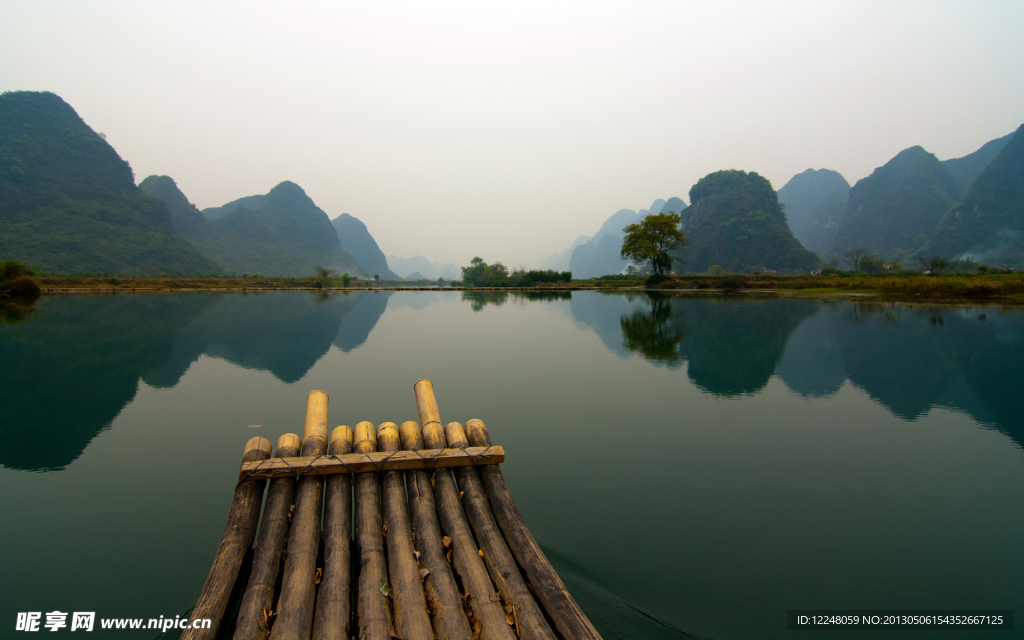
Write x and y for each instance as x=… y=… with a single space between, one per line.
x=480 y=299
x=78 y=361
x=731 y=346
x=911 y=359
x=13 y=312
x=72 y=366
x=652 y=333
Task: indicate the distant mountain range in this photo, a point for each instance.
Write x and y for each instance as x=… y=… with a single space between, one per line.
x=598 y=255
x=894 y=210
x=988 y=225
x=356 y=240
x=969 y=207
x=420 y=268
x=914 y=204
x=814 y=202
x=282 y=233
x=68 y=202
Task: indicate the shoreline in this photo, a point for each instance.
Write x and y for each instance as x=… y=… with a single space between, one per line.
x=824 y=294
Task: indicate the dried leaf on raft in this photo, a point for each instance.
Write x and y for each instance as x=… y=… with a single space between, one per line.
x=449 y=556
x=446 y=541
x=481 y=552
x=318 y=575
x=461 y=493
x=424 y=573
x=385 y=590
x=417 y=554
x=384 y=530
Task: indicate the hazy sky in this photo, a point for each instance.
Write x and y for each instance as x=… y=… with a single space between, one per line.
x=504 y=130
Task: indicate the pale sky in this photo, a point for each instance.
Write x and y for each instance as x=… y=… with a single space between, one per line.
x=506 y=129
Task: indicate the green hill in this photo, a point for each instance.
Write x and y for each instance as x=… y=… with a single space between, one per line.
x=68 y=202
x=988 y=226
x=735 y=221
x=215 y=213
x=966 y=170
x=356 y=241
x=283 y=234
x=893 y=211
x=814 y=202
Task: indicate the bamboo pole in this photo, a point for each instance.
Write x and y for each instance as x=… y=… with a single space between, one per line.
x=234 y=544
x=544 y=581
x=375 y=461
x=411 y=619
x=504 y=573
x=372 y=609
x=333 y=602
x=445 y=604
x=480 y=596
x=254 y=614
x=298 y=590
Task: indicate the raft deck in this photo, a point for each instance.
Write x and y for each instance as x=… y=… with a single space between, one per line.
x=420 y=539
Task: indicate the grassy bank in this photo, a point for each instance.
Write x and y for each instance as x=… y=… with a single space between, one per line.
x=995 y=287
x=959 y=287
x=56 y=283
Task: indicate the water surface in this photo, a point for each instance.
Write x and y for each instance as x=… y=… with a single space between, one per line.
x=692 y=466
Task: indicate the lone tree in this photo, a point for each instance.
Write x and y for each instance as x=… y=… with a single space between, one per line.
x=652 y=240
x=855 y=257
x=323 y=276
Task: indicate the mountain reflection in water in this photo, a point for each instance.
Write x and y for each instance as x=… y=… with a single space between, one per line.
x=93 y=350
x=78 y=360
x=909 y=358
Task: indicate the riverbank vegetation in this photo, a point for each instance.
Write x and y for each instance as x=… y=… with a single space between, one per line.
x=19 y=290
x=481 y=274
x=952 y=286
x=903 y=286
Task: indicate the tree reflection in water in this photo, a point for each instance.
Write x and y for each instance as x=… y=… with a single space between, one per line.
x=14 y=311
x=480 y=299
x=652 y=334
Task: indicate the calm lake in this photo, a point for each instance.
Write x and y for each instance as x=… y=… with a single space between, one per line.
x=693 y=467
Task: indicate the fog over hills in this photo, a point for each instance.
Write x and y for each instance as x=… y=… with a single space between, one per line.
x=893 y=211
x=284 y=233
x=988 y=226
x=356 y=241
x=966 y=170
x=216 y=213
x=418 y=268
x=814 y=202
x=600 y=255
x=68 y=202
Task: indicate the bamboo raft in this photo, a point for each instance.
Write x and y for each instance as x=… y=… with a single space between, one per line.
x=420 y=539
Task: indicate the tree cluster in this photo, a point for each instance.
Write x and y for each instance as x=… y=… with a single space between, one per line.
x=481 y=274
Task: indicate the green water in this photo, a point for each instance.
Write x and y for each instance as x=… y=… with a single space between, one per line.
x=692 y=466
